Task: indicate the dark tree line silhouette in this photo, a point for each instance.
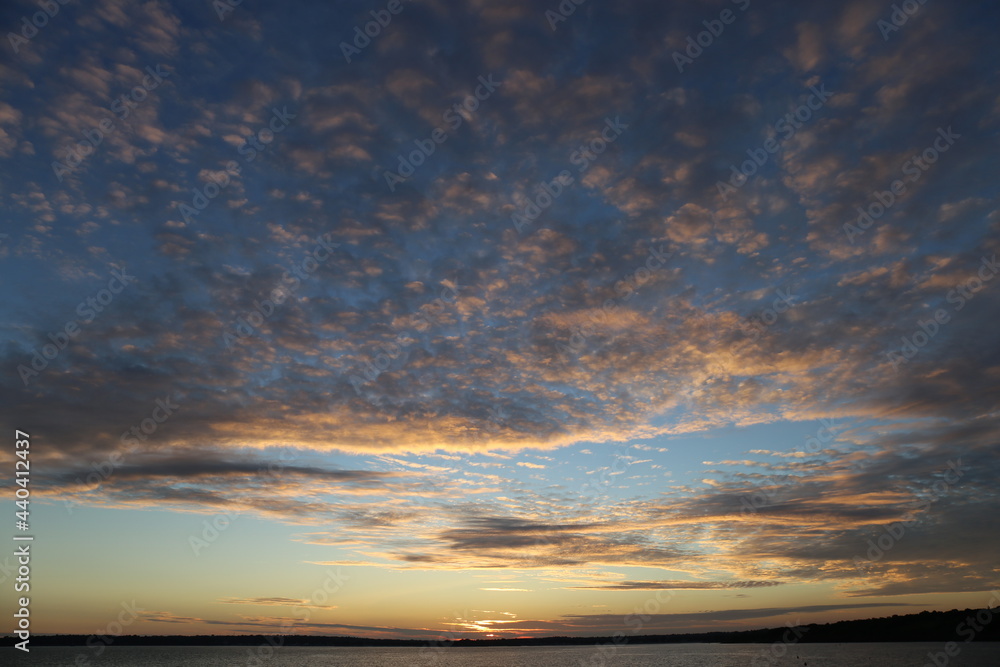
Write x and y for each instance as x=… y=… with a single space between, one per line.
x=928 y=626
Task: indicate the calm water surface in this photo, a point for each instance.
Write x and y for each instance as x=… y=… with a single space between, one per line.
x=680 y=655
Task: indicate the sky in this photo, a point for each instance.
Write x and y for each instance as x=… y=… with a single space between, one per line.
x=468 y=319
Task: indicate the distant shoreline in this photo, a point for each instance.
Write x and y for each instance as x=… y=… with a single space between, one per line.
x=927 y=626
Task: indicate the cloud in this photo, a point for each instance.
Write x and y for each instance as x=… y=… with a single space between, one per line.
x=276 y=602
x=677 y=585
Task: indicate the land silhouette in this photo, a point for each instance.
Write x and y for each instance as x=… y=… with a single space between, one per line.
x=927 y=626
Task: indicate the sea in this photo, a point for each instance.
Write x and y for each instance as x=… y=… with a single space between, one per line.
x=984 y=654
